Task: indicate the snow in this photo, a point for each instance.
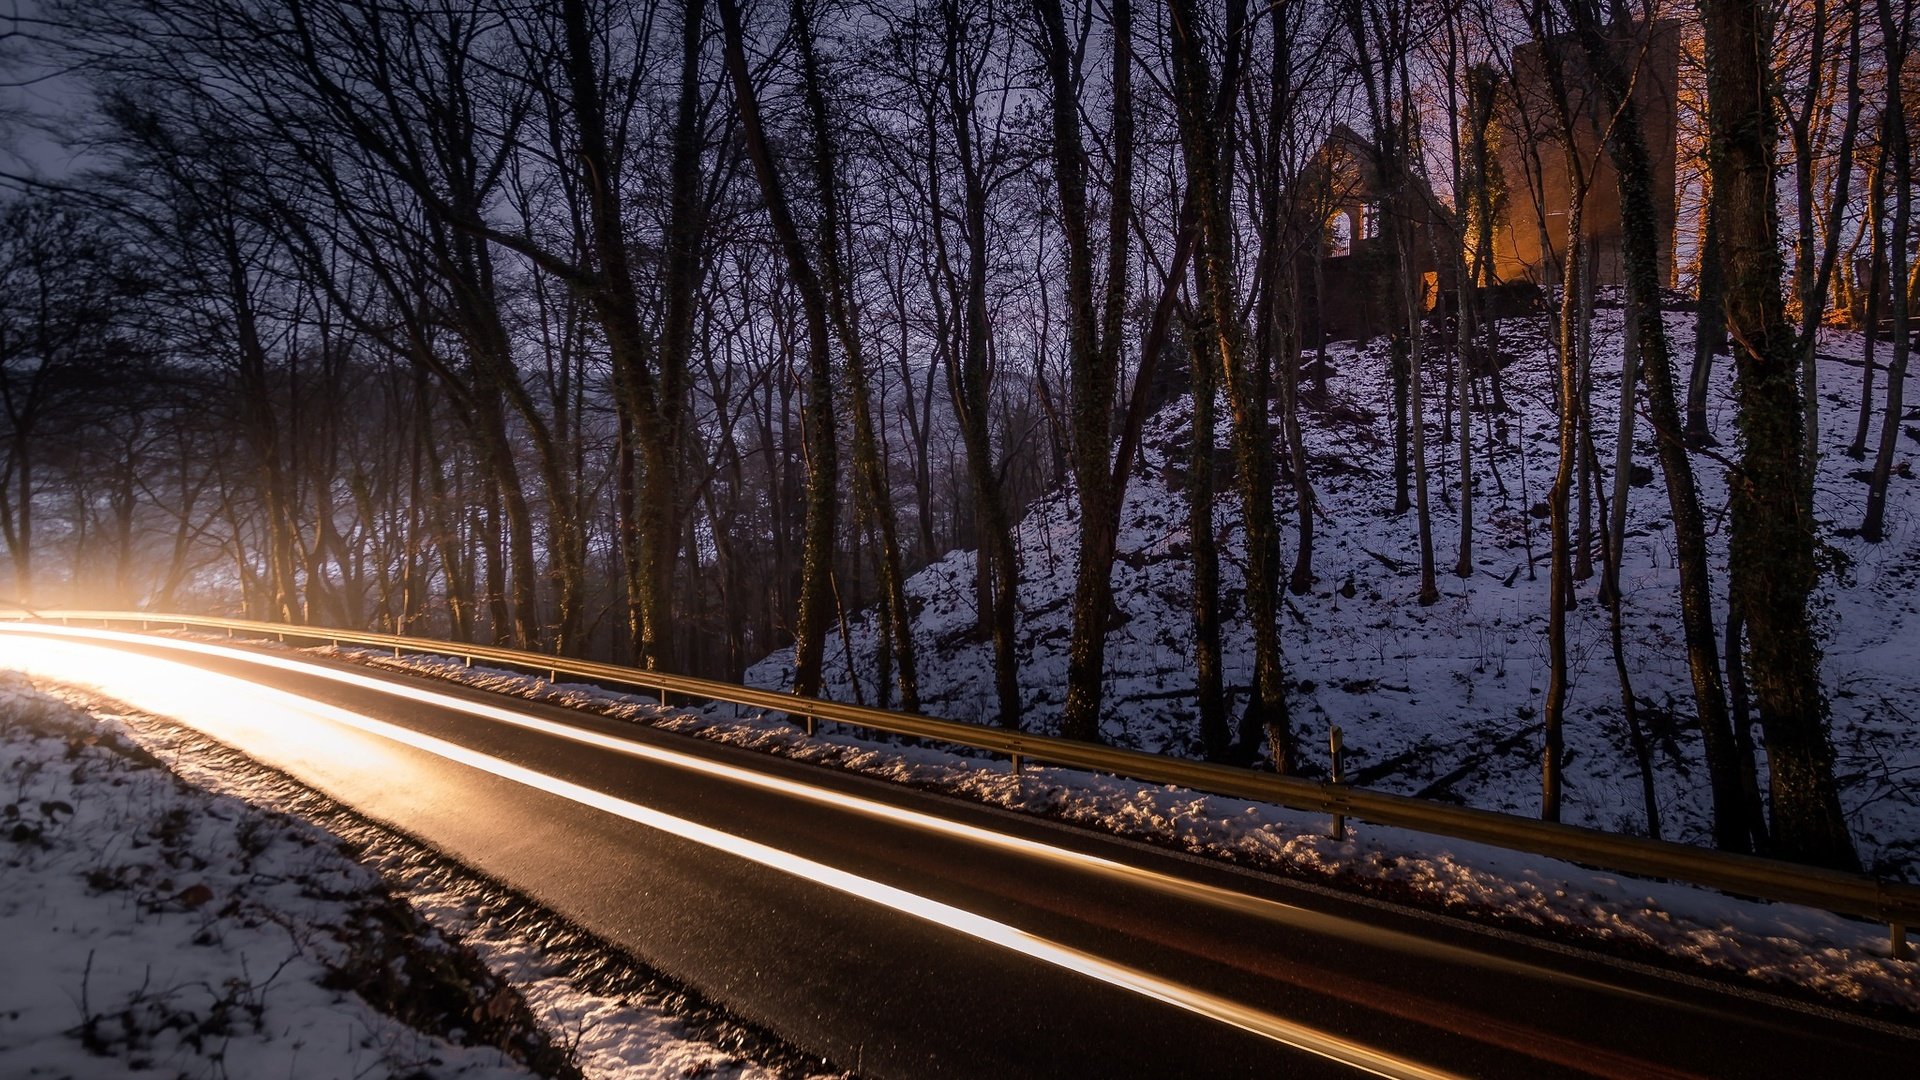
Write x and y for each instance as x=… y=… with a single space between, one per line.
x=151 y=926
x=1444 y=701
x=1440 y=702
x=171 y=906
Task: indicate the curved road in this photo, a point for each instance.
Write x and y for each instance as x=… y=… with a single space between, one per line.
x=904 y=934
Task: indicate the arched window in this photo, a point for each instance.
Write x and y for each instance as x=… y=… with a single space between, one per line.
x=1340 y=235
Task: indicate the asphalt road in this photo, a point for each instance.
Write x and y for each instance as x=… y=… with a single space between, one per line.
x=903 y=934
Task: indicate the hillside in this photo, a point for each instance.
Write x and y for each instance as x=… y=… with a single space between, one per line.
x=1444 y=701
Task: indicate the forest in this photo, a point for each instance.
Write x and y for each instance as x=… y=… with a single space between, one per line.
x=712 y=336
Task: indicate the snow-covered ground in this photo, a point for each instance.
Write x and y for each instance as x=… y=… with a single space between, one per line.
x=151 y=926
x=1445 y=701
x=171 y=909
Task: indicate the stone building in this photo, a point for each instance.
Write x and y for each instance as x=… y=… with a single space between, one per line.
x=1340 y=197
x=1530 y=240
x=1346 y=292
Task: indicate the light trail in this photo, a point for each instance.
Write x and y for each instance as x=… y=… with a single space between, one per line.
x=134 y=677
x=1216 y=896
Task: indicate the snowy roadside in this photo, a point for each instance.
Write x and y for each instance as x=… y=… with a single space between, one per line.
x=1445 y=701
x=1788 y=948
x=172 y=906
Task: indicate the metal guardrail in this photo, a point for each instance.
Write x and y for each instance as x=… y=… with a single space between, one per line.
x=1895 y=903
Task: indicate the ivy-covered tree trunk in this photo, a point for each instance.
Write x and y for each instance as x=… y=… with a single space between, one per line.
x=1209 y=187
x=650 y=376
x=1640 y=232
x=1094 y=318
x=1772 y=539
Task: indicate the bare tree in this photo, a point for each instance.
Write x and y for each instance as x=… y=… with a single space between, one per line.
x=1896 y=31
x=811 y=617
x=1773 y=570
x=1094 y=332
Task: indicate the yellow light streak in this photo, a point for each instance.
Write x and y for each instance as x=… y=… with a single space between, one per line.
x=1227 y=899
x=116 y=671
x=1168 y=884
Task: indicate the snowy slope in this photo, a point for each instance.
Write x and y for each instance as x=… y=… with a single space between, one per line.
x=1444 y=701
x=151 y=927
x=174 y=909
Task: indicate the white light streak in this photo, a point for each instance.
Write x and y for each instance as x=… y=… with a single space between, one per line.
x=129 y=677
x=1243 y=903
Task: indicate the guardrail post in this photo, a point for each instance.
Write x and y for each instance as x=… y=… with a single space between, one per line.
x=1901 y=949
x=1339 y=776
x=811 y=723
x=1016 y=764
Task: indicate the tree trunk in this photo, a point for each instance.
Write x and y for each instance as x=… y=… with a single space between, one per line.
x=1210 y=187
x=1709 y=333
x=1649 y=347
x=1279 y=270
x=1812 y=295
x=1771 y=546
x=1899 y=160
x=1560 y=579
x=815 y=607
x=22 y=532
x=1583 y=353
x=1284 y=326
x=968 y=381
x=1876 y=288
x=869 y=465
x=260 y=429
x=1411 y=290
x=652 y=394
x=1209 y=693
x=1093 y=337
x=1467 y=290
